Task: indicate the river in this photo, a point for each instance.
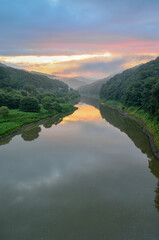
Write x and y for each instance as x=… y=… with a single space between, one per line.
x=87 y=176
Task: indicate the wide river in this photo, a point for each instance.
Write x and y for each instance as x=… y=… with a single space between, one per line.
x=87 y=176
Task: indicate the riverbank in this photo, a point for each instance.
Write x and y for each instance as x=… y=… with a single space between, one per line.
x=149 y=124
x=18 y=120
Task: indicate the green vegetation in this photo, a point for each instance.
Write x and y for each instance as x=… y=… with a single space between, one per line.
x=20 y=79
x=137 y=91
x=26 y=98
x=47 y=104
x=151 y=123
x=137 y=87
x=16 y=118
x=4 y=111
x=29 y=104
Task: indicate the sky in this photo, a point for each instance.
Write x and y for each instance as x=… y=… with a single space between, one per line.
x=91 y=38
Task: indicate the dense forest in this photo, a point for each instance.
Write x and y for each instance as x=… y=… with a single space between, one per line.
x=20 y=89
x=17 y=79
x=138 y=86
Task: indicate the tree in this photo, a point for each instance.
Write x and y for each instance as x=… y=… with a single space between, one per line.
x=30 y=88
x=24 y=93
x=4 y=111
x=61 y=100
x=47 y=104
x=2 y=98
x=13 y=100
x=29 y=104
x=138 y=87
x=57 y=107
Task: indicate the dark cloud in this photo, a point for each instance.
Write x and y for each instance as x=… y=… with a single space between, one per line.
x=102 y=67
x=97 y=68
x=22 y=22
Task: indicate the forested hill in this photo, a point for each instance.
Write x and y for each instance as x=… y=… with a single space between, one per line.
x=138 y=86
x=93 y=88
x=72 y=82
x=17 y=79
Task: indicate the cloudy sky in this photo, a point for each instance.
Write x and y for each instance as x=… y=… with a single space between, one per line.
x=92 y=38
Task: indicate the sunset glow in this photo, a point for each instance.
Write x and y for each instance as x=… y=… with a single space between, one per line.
x=50 y=59
x=84 y=113
x=90 y=65
x=78 y=38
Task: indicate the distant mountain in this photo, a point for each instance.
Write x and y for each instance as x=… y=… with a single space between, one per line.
x=93 y=88
x=86 y=80
x=16 y=78
x=72 y=82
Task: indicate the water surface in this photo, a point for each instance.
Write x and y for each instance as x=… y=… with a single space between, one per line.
x=88 y=176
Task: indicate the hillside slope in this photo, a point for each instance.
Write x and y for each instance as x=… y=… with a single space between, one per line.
x=138 y=86
x=93 y=88
x=72 y=82
x=17 y=79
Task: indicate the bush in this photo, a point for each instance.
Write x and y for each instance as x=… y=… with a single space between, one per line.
x=4 y=111
x=29 y=104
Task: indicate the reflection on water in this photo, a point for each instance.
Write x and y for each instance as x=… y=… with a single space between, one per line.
x=85 y=113
x=134 y=131
x=91 y=101
x=131 y=127
x=53 y=121
x=86 y=178
x=31 y=132
x=157 y=197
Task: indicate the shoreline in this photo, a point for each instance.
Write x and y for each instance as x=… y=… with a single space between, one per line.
x=21 y=128
x=150 y=136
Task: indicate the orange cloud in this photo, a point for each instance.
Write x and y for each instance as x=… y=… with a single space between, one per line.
x=98 y=61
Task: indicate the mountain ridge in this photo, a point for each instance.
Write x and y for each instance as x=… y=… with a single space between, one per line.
x=17 y=78
x=93 y=88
